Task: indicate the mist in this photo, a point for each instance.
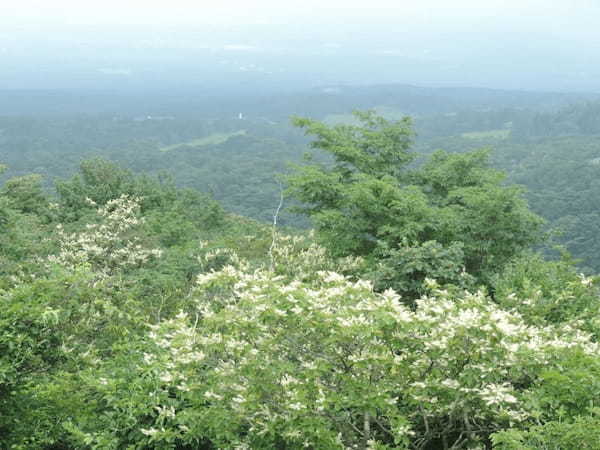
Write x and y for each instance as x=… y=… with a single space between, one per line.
x=501 y=45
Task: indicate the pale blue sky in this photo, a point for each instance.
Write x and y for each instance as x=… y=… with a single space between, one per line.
x=537 y=13
x=528 y=44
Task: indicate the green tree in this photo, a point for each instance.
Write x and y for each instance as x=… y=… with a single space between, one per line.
x=25 y=194
x=371 y=201
x=102 y=181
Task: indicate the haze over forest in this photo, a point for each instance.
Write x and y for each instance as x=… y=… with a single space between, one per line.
x=273 y=46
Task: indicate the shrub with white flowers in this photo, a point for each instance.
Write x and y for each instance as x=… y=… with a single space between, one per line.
x=110 y=243
x=327 y=363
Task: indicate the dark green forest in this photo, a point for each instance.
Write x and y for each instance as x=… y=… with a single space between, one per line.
x=547 y=145
x=417 y=277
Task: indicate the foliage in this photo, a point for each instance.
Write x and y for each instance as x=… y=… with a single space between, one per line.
x=549 y=292
x=406 y=267
x=150 y=319
x=25 y=213
x=267 y=361
x=105 y=245
x=101 y=181
x=58 y=323
x=583 y=432
x=3 y=205
x=25 y=194
x=371 y=198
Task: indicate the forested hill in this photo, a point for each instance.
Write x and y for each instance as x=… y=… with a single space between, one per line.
x=543 y=141
x=416 y=314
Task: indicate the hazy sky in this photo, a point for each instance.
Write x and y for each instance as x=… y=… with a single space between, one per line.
x=529 y=44
x=573 y=14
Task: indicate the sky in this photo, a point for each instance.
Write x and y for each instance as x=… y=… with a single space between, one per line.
x=527 y=44
x=534 y=13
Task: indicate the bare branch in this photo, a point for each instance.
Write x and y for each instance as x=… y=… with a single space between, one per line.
x=274 y=234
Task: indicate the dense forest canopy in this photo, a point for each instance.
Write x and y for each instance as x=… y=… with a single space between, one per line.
x=548 y=143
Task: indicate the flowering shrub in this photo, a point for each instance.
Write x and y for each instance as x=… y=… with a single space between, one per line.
x=269 y=362
x=109 y=244
x=300 y=258
x=550 y=292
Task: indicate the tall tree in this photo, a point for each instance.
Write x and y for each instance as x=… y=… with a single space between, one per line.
x=375 y=202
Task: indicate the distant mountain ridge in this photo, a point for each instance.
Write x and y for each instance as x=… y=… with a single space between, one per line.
x=260 y=100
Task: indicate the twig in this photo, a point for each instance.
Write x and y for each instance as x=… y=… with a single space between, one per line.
x=274 y=234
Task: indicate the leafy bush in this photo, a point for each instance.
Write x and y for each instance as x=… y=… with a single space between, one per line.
x=268 y=362
x=583 y=432
x=406 y=267
x=549 y=292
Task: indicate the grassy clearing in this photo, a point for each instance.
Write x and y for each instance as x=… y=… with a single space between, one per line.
x=213 y=139
x=489 y=134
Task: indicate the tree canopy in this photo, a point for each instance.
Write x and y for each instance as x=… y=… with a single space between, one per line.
x=375 y=200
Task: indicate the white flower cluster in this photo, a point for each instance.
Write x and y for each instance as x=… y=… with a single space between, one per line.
x=276 y=356
x=108 y=244
x=302 y=258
